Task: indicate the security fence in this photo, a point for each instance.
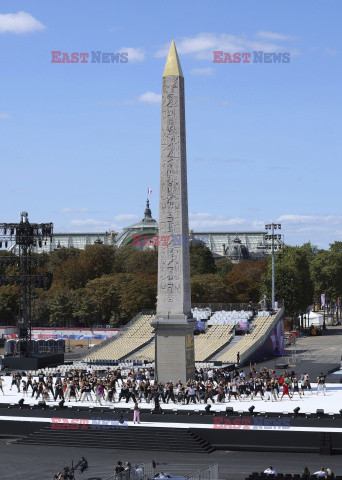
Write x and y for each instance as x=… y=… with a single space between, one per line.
x=208 y=473
x=147 y=471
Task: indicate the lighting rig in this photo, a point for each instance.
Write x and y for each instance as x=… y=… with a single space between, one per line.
x=273 y=247
x=23 y=237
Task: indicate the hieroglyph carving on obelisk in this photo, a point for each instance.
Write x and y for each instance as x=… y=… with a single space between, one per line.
x=174 y=294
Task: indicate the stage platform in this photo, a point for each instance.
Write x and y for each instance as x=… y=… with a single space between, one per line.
x=189 y=432
x=331 y=402
x=34 y=362
x=273 y=426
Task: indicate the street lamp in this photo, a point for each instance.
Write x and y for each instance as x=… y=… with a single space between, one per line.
x=273 y=236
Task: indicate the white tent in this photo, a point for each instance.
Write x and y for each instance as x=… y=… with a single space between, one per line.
x=314 y=319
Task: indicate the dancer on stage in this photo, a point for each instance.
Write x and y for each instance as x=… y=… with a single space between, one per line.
x=296 y=388
x=285 y=391
x=321 y=386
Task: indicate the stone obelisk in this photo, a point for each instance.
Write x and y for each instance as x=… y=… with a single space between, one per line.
x=174 y=326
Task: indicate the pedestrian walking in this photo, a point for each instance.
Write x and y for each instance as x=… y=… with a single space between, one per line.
x=136 y=417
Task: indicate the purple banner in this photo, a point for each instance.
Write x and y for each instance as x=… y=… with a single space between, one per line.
x=277 y=338
x=323 y=299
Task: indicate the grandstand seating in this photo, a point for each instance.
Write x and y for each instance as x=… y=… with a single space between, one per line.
x=201 y=313
x=120 y=347
x=230 y=318
x=262 y=325
x=215 y=338
x=136 y=343
x=145 y=354
x=206 y=345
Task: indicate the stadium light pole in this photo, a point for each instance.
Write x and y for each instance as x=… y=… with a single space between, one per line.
x=271 y=227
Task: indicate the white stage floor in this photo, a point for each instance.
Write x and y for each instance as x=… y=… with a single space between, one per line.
x=330 y=403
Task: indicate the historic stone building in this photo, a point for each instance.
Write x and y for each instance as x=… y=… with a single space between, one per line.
x=237 y=245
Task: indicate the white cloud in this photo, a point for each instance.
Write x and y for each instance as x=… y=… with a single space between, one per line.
x=205 y=72
x=19 y=23
x=290 y=218
x=202 y=45
x=4 y=116
x=207 y=221
x=72 y=210
x=274 y=36
x=91 y=225
x=311 y=219
x=96 y=225
x=150 y=97
x=89 y=222
x=134 y=54
x=201 y=221
x=319 y=229
x=126 y=218
x=258 y=225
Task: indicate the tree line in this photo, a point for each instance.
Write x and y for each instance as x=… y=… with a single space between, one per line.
x=303 y=273
x=104 y=285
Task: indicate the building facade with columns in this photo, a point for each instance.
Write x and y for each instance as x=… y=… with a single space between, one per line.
x=237 y=245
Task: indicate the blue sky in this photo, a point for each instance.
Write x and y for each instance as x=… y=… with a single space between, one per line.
x=80 y=143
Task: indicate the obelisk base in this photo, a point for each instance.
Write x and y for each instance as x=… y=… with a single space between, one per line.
x=174 y=350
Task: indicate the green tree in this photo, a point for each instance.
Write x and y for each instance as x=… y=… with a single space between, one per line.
x=326 y=272
x=106 y=293
x=122 y=258
x=208 y=288
x=223 y=266
x=9 y=306
x=243 y=283
x=201 y=260
x=311 y=250
x=73 y=273
x=86 y=310
x=60 y=255
x=140 y=294
x=62 y=307
x=40 y=307
x=100 y=257
x=293 y=282
x=143 y=262
x=8 y=262
x=336 y=247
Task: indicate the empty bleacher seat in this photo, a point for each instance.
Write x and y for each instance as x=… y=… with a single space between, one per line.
x=261 y=326
x=134 y=337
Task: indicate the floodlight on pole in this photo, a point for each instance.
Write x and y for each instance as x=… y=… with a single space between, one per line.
x=273 y=226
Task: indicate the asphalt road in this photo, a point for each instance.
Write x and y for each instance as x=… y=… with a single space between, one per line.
x=29 y=462
x=325 y=351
